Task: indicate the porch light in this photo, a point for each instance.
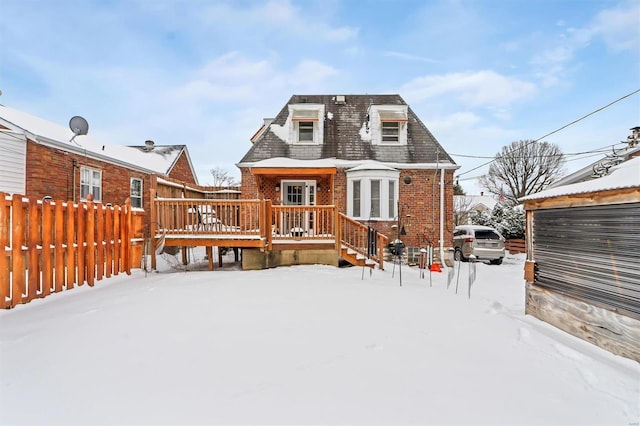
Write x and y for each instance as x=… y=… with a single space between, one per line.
x=319 y=187
x=277 y=187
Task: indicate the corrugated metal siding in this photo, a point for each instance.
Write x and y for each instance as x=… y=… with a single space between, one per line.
x=13 y=160
x=591 y=253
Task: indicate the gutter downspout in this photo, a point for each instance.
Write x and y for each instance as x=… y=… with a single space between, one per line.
x=442 y=216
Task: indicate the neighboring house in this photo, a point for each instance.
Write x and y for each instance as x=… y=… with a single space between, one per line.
x=465 y=205
x=40 y=159
x=583 y=253
x=368 y=154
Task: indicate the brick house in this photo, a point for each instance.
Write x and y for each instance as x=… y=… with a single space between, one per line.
x=40 y=159
x=368 y=154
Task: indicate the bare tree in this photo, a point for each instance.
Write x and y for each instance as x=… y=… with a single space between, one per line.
x=522 y=168
x=222 y=177
x=462 y=208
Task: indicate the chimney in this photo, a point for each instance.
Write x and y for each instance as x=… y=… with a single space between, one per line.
x=148 y=145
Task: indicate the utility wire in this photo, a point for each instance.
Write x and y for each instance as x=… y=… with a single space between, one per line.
x=559 y=129
x=570 y=154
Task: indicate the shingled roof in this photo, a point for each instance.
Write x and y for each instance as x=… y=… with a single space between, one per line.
x=343 y=122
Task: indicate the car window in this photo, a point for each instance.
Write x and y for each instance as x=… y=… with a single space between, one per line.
x=487 y=235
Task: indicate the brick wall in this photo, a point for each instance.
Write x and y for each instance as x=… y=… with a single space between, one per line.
x=420 y=199
x=51 y=172
x=181 y=170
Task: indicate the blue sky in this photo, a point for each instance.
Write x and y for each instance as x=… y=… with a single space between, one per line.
x=480 y=74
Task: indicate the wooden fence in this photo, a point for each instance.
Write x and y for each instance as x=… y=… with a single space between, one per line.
x=50 y=246
x=515 y=245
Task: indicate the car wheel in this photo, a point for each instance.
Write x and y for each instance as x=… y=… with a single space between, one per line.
x=496 y=261
x=458 y=256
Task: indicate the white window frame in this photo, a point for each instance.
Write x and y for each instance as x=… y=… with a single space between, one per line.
x=386 y=199
x=390 y=132
x=132 y=196
x=379 y=115
x=305 y=114
x=90 y=183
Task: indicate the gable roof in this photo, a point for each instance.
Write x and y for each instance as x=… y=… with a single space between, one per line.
x=343 y=122
x=159 y=161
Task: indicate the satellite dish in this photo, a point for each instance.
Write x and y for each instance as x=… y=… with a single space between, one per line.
x=78 y=126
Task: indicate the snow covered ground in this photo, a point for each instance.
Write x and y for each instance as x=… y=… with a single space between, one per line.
x=304 y=345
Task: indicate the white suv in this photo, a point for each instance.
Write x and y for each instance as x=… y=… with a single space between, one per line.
x=483 y=242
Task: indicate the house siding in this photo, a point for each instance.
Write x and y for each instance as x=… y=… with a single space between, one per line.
x=13 y=164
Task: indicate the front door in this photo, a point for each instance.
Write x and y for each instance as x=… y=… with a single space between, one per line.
x=298 y=193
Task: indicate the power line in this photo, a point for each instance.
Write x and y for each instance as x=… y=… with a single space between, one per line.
x=561 y=128
x=570 y=154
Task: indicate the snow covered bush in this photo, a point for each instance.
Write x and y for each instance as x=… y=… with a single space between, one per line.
x=509 y=221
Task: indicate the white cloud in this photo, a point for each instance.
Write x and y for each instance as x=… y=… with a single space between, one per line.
x=475 y=89
x=409 y=57
x=281 y=15
x=619 y=27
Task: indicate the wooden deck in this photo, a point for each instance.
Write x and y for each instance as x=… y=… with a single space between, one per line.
x=210 y=223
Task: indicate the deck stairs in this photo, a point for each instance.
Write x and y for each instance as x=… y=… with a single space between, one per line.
x=356 y=258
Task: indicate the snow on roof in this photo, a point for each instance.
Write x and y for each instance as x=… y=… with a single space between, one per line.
x=370 y=165
x=289 y=163
x=334 y=162
x=475 y=200
x=47 y=132
x=624 y=175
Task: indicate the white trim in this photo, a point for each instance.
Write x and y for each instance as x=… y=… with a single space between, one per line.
x=366 y=177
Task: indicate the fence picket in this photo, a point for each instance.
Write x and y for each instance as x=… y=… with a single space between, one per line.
x=33 y=237
x=17 y=257
x=90 y=237
x=59 y=248
x=5 y=275
x=46 y=253
x=71 y=253
x=99 y=242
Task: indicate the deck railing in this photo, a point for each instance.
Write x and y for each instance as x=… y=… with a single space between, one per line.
x=360 y=238
x=233 y=219
x=193 y=216
x=303 y=222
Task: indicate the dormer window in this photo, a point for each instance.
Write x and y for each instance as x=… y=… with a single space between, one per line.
x=305 y=131
x=306 y=123
x=390 y=131
x=388 y=124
